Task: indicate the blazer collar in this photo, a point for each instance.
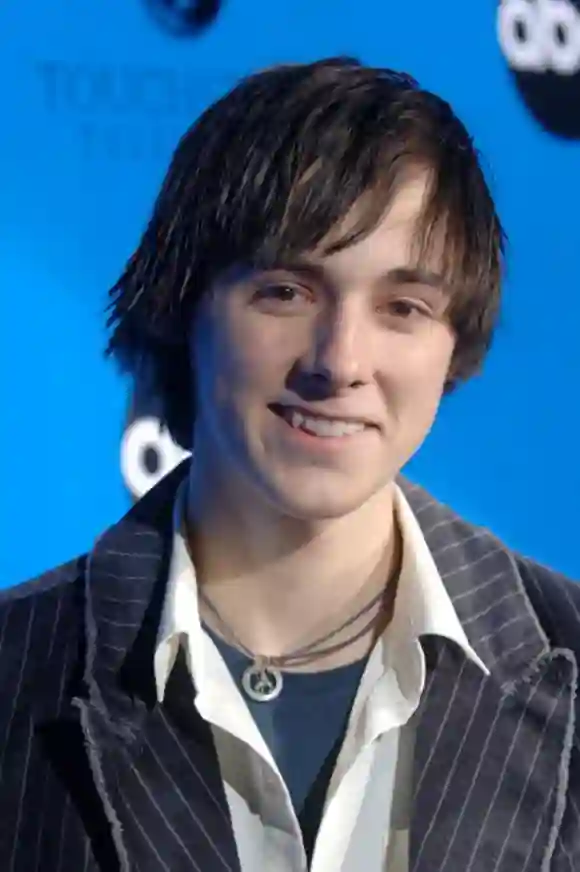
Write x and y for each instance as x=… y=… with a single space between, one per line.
x=127 y=571
x=125 y=580
x=485 y=586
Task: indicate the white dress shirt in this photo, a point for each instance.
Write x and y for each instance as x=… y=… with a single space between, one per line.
x=365 y=821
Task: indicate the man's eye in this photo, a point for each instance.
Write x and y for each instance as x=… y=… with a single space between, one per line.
x=283 y=294
x=406 y=309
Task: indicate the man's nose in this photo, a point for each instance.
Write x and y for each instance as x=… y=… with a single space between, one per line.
x=340 y=353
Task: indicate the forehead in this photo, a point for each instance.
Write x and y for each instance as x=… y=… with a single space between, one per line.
x=395 y=240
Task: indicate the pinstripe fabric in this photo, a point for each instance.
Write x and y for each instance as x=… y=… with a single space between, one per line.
x=503 y=743
x=95 y=775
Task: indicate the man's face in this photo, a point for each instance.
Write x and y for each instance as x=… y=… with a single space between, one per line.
x=318 y=380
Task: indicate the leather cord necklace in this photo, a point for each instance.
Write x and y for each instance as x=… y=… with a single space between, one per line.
x=262 y=680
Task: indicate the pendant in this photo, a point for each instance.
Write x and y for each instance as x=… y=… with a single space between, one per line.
x=262 y=683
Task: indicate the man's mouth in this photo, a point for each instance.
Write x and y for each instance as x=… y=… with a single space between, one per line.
x=318 y=425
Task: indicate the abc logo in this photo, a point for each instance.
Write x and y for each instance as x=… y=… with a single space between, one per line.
x=148 y=453
x=540 y=40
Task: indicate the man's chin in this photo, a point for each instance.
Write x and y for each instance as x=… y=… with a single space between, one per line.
x=317 y=504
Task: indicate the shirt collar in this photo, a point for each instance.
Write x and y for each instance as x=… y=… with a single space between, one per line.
x=180 y=616
x=422 y=606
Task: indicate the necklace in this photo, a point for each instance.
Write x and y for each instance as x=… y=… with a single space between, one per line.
x=262 y=680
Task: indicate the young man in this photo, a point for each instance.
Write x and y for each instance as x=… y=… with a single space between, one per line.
x=286 y=657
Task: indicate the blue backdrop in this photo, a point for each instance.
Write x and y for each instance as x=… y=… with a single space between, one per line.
x=95 y=95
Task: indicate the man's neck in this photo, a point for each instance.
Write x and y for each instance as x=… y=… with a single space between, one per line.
x=278 y=582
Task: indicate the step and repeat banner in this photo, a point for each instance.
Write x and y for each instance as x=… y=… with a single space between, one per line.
x=94 y=98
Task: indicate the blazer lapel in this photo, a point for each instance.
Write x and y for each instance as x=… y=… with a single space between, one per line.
x=492 y=752
x=155 y=767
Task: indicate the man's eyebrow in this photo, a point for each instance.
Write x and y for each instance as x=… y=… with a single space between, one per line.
x=401 y=275
x=297 y=265
x=417 y=275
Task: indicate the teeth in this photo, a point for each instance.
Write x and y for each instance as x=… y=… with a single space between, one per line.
x=322 y=426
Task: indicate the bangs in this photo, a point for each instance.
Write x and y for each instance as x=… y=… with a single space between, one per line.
x=327 y=211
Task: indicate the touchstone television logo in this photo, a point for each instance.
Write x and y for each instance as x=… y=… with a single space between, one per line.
x=183 y=18
x=540 y=40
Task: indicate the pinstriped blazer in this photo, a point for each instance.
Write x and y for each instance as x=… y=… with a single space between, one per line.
x=96 y=776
